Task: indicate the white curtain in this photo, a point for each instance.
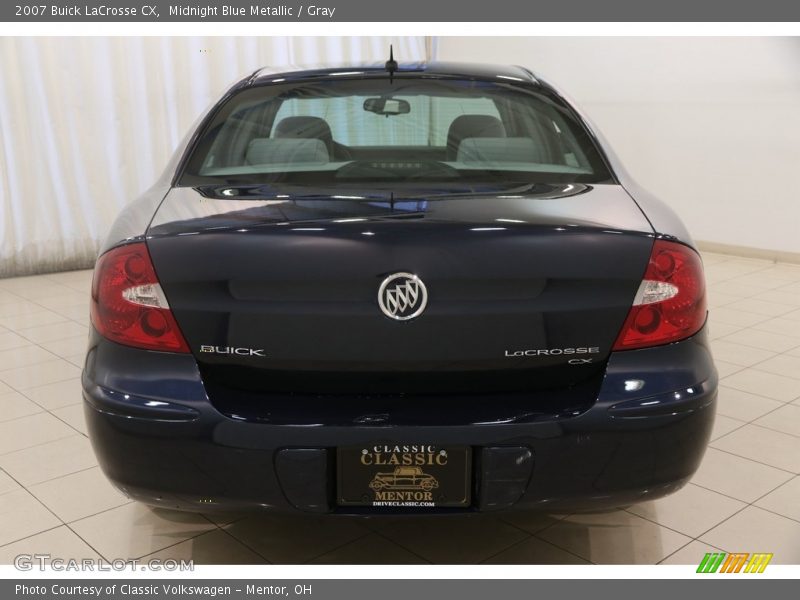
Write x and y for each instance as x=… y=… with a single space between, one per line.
x=87 y=124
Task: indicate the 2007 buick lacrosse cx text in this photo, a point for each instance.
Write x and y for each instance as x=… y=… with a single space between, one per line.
x=398 y=288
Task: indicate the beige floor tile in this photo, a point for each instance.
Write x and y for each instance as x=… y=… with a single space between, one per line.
x=779 y=296
x=785 y=500
x=691 y=511
x=25 y=378
x=14 y=405
x=785 y=419
x=739 y=354
x=456 y=540
x=691 y=554
x=8 y=297
x=11 y=310
x=222 y=518
x=777 y=387
x=757 y=264
x=32 y=319
x=22 y=515
x=530 y=521
x=736 y=476
x=13 y=284
x=38 y=288
x=763 y=339
x=763 y=445
x=744 y=406
x=134 y=530
x=716 y=275
x=78 y=495
x=729 y=270
x=54 y=332
x=27 y=432
x=792 y=286
x=533 y=551
x=725 y=369
x=56 y=395
x=81 y=276
x=49 y=460
x=761 y=307
x=68 y=298
x=783 y=364
x=59 y=543
x=788 y=271
x=724 y=425
x=780 y=326
x=23 y=357
x=761 y=280
x=294 y=540
x=213 y=548
x=7 y=484
x=77 y=359
x=10 y=340
x=68 y=347
x=371 y=549
x=79 y=314
x=73 y=416
x=614 y=538
x=718 y=331
x=718 y=299
x=739 y=318
x=714 y=258
x=756 y=530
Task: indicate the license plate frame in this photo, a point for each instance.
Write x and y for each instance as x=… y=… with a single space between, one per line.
x=389 y=475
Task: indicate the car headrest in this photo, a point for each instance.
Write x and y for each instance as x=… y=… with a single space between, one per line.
x=305 y=127
x=265 y=151
x=471 y=126
x=500 y=150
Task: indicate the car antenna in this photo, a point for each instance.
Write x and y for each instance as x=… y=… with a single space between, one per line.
x=391 y=64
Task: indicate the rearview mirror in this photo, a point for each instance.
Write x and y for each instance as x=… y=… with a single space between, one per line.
x=387 y=106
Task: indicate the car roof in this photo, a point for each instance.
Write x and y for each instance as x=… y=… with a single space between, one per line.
x=490 y=72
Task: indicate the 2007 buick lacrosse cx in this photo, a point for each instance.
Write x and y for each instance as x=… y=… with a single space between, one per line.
x=398 y=288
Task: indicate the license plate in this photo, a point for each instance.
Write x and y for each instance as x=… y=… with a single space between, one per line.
x=403 y=475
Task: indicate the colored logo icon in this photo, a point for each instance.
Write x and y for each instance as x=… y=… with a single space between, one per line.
x=740 y=562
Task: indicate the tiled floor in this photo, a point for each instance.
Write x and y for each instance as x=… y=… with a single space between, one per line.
x=746 y=496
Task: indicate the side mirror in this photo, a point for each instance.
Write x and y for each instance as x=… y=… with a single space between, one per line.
x=387 y=106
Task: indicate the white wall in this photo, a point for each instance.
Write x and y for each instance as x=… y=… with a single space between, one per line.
x=711 y=125
x=87 y=124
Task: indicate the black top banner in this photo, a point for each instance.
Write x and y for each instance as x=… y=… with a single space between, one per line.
x=402 y=11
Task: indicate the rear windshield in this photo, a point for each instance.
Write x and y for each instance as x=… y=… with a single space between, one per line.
x=413 y=129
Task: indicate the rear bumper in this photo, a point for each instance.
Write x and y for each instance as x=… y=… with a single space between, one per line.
x=158 y=438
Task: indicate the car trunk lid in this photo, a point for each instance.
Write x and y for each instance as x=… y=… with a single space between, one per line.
x=277 y=290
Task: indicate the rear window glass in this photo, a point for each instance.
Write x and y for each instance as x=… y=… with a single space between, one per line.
x=413 y=129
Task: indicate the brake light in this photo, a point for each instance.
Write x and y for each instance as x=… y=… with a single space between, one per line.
x=671 y=302
x=128 y=304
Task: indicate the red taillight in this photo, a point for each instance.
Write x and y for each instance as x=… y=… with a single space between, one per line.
x=128 y=305
x=671 y=302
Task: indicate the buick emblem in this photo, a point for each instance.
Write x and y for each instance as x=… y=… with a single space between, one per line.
x=402 y=296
